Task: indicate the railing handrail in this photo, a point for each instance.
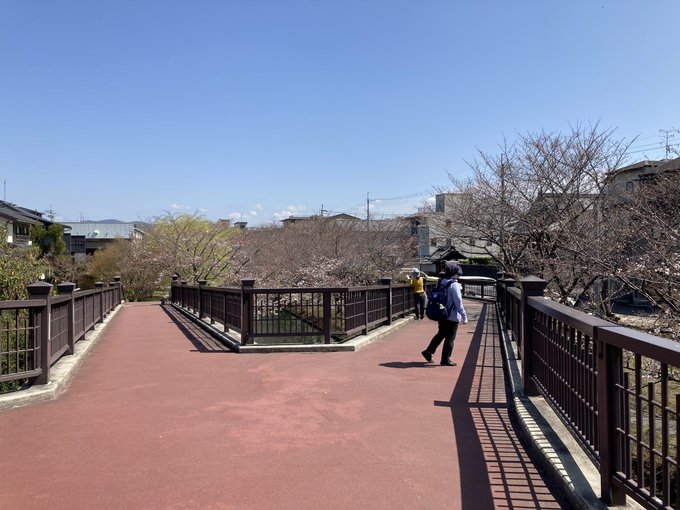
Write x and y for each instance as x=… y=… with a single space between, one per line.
x=22 y=303
x=575 y=318
x=299 y=290
x=639 y=342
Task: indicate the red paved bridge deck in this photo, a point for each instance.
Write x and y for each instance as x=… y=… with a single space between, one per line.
x=161 y=417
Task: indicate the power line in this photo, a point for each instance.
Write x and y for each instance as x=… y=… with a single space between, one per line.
x=403 y=197
x=656 y=149
x=646 y=138
x=655 y=144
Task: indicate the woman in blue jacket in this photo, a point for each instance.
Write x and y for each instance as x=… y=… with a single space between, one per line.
x=455 y=314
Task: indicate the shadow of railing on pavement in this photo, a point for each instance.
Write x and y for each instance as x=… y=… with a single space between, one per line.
x=203 y=341
x=484 y=433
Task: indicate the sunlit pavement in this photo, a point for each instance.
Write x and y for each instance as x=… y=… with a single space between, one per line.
x=162 y=417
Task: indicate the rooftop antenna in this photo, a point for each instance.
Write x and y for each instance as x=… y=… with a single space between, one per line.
x=4 y=190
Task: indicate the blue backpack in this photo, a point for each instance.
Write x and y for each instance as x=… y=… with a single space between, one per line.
x=438 y=306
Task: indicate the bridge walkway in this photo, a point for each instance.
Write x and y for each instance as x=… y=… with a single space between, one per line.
x=162 y=417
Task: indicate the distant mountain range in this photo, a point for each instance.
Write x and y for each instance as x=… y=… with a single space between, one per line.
x=103 y=221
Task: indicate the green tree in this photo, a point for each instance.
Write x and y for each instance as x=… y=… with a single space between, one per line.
x=19 y=266
x=49 y=240
x=192 y=246
x=66 y=268
x=139 y=269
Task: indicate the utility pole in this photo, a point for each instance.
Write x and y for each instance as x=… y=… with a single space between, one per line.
x=323 y=210
x=668 y=134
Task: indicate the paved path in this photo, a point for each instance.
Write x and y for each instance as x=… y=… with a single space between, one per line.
x=160 y=417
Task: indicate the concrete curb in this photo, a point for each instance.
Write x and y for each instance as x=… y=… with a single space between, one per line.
x=353 y=345
x=61 y=373
x=554 y=446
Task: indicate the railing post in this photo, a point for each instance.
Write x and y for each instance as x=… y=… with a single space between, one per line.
x=224 y=307
x=500 y=275
x=365 y=330
x=507 y=308
x=111 y=299
x=609 y=369
x=531 y=286
x=100 y=288
x=211 y=311
x=388 y=282
x=67 y=288
x=183 y=293
x=173 y=291
x=201 y=291
x=327 y=317
x=119 y=290
x=41 y=290
x=246 y=309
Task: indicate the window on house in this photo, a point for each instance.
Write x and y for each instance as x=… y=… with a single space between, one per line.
x=433 y=241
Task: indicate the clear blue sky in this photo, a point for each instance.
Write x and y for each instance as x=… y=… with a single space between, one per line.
x=258 y=108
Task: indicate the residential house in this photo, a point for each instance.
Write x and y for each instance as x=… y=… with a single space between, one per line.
x=621 y=185
x=631 y=177
x=19 y=220
x=433 y=230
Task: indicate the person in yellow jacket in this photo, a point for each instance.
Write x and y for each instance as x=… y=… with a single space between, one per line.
x=417 y=280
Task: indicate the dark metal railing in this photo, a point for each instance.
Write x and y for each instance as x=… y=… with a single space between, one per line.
x=617 y=389
x=304 y=315
x=36 y=332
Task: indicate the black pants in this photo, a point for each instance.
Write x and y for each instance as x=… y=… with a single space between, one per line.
x=420 y=299
x=447 y=332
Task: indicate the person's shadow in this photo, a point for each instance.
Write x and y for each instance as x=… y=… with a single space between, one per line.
x=407 y=364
